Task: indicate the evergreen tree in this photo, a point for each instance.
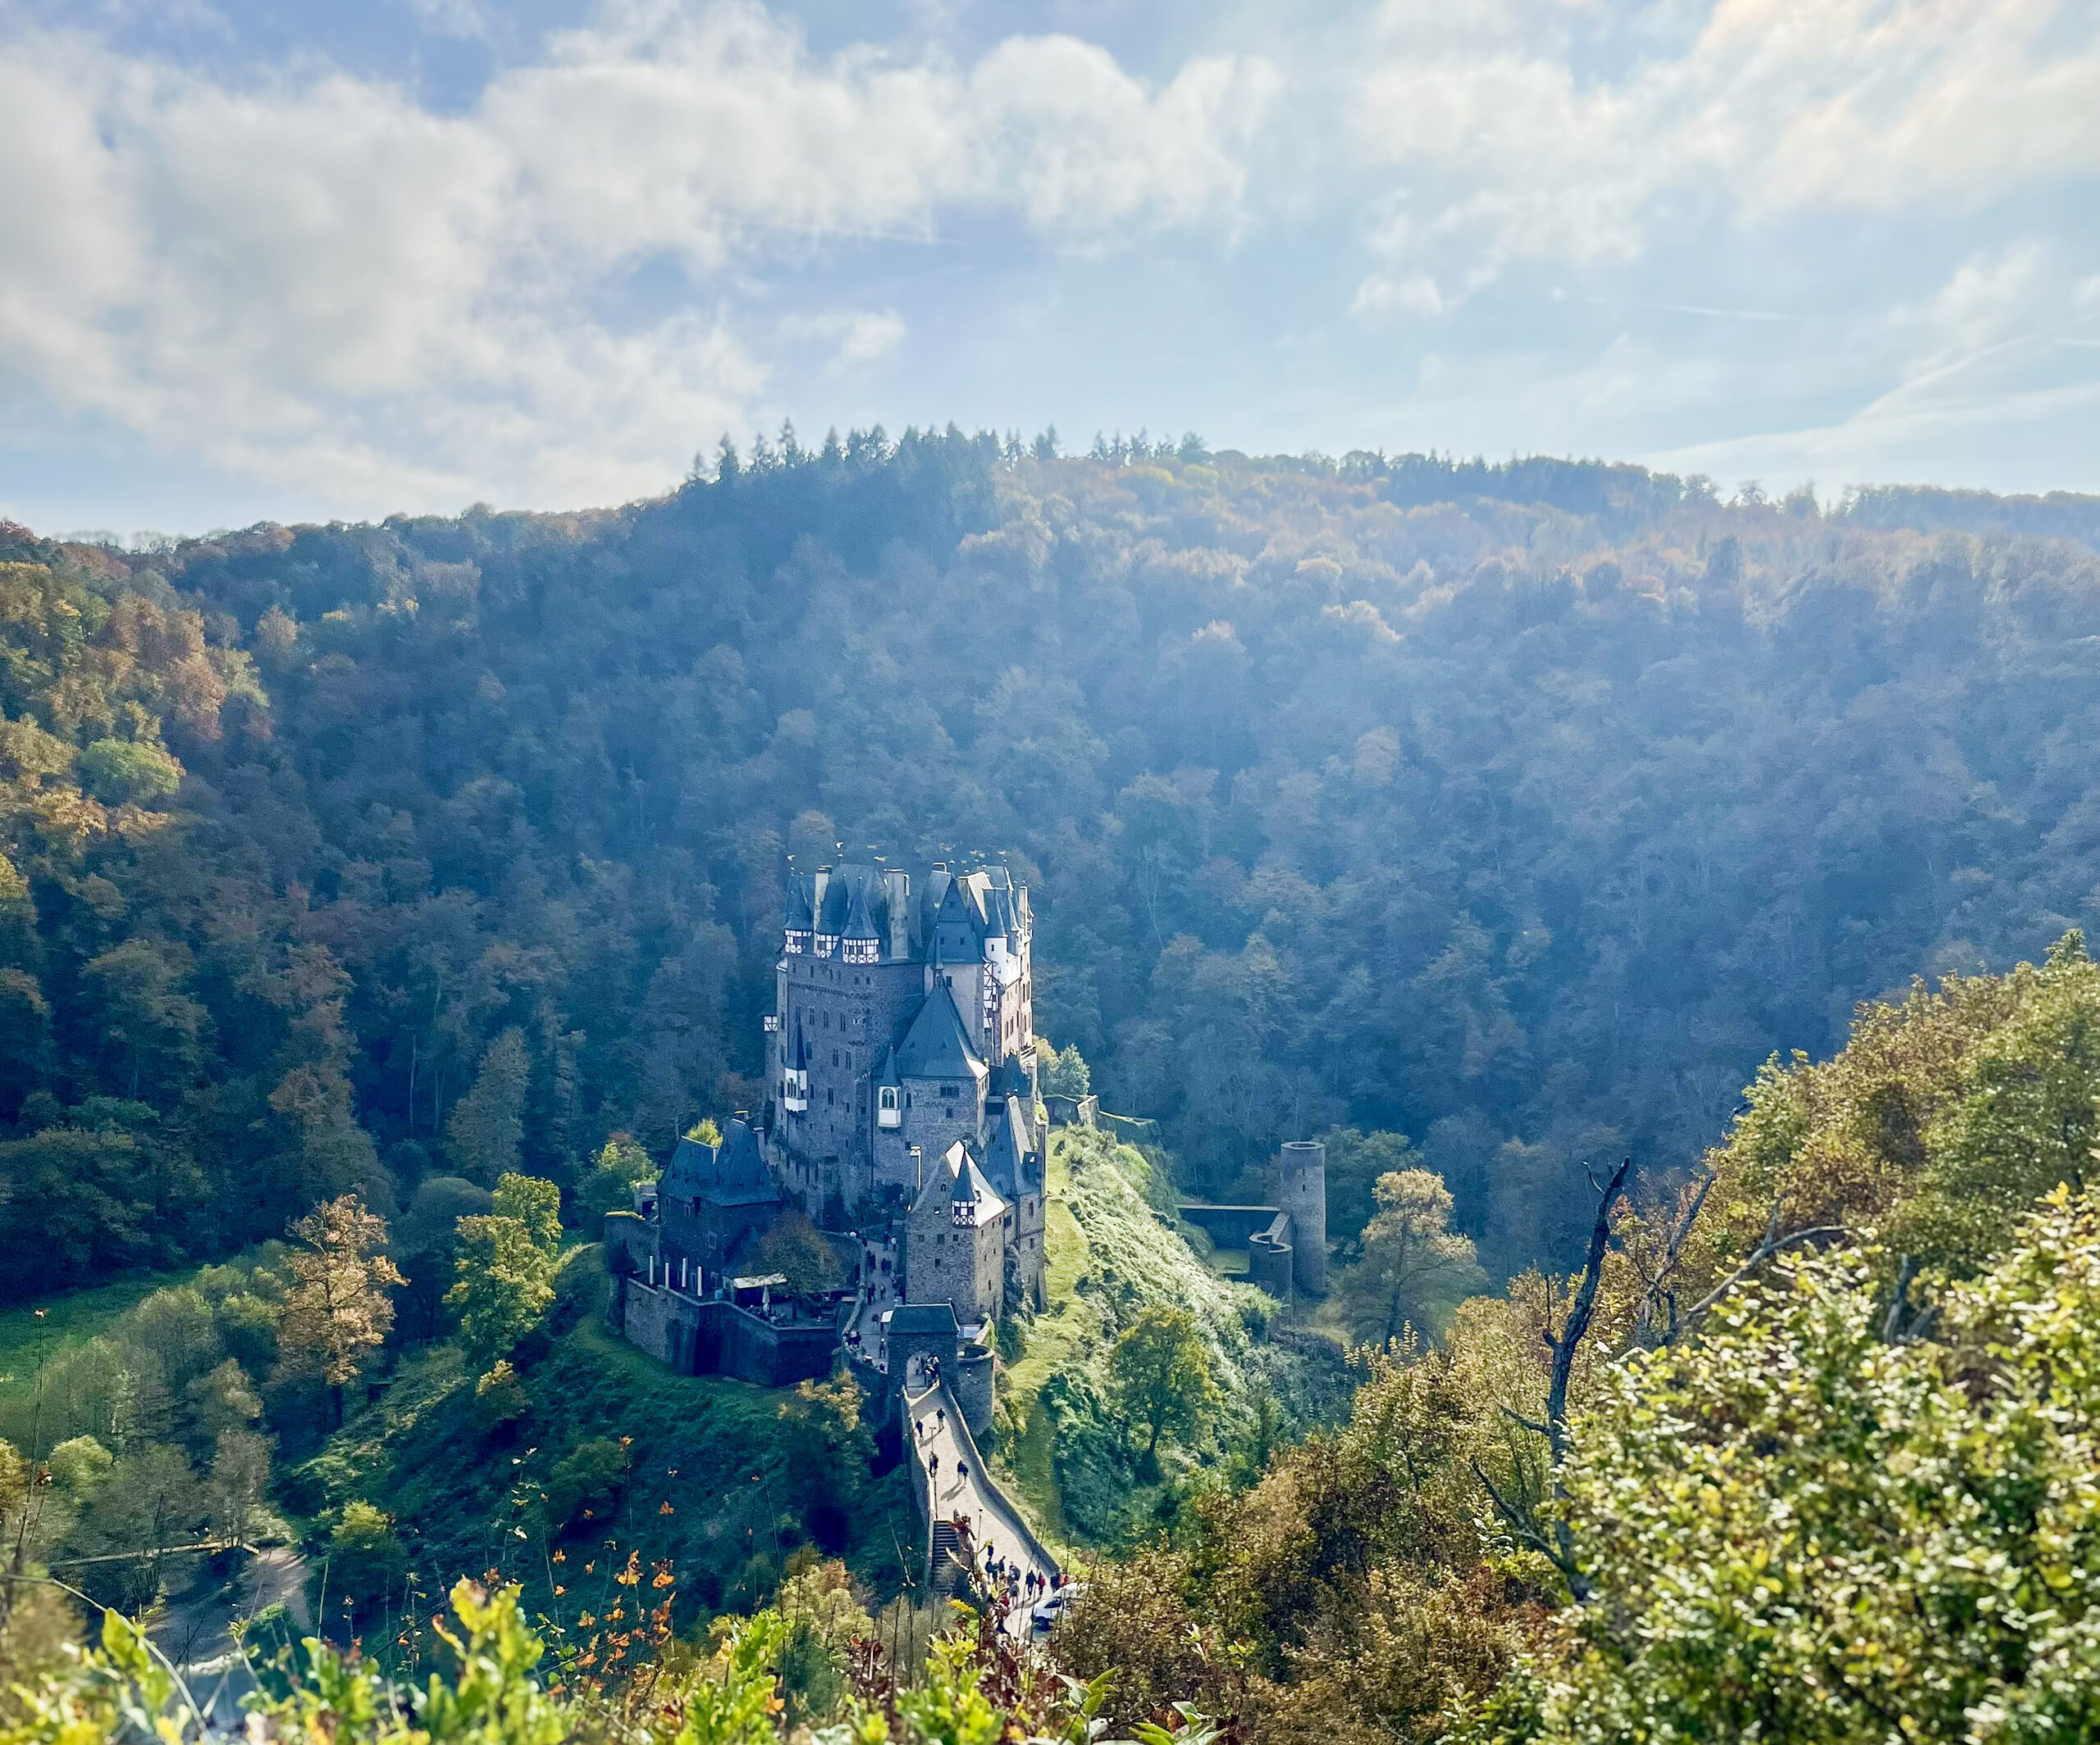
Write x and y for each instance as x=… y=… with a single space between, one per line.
x=487 y=1123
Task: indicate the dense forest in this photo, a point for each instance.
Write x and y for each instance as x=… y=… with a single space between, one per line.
x=1519 y=810
x=374 y=901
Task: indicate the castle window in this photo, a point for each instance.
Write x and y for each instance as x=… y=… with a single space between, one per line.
x=887 y=1113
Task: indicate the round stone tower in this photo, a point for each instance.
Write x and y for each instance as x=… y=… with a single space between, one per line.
x=1304 y=1196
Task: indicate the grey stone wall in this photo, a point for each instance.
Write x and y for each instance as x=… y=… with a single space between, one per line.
x=1269 y=1257
x=705 y=1337
x=965 y=1267
x=972 y=1388
x=1303 y=1195
x=1228 y=1227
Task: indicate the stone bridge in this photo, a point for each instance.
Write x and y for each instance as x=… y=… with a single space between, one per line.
x=961 y=1506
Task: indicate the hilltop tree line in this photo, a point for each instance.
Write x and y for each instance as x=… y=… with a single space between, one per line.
x=1515 y=813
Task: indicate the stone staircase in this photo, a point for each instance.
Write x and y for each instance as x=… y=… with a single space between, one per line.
x=945 y=1572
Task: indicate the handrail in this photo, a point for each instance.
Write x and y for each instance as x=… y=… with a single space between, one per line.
x=990 y=1496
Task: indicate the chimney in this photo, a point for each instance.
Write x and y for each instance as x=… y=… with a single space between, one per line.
x=896 y=884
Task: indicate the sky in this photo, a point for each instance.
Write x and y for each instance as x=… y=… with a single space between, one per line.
x=262 y=259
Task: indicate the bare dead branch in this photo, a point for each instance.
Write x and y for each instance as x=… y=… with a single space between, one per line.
x=1553 y=1554
x=1579 y=1313
x=1771 y=1245
x=1899 y=1304
x=1660 y=1294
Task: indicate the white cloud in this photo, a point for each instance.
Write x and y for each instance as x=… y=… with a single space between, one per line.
x=1525 y=128
x=677 y=218
x=853 y=336
x=2005 y=354
x=317 y=281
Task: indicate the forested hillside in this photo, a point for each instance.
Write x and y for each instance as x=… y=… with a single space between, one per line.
x=1523 y=811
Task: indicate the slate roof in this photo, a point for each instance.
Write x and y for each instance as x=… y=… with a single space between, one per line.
x=1006 y=1156
x=973 y=907
x=971 y=1189
x=1011 y=1079
x=859 y=923
x=731 y=1174
x=937 y=1045
x=852 y=888
x=959 y=1181
x=924 y=1317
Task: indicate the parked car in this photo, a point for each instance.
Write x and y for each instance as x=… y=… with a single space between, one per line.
x=1052 y=1607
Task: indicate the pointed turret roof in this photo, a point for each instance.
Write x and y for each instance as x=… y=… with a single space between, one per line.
x=937 y=1046
x=859 y=924
x=973 y=1191
x=957 y=1181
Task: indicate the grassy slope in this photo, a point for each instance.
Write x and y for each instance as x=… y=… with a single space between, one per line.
x=714 y=1484
x=72 y=1318
x=1112 y=1255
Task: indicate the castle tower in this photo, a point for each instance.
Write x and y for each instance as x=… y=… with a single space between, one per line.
x=1304 y=1196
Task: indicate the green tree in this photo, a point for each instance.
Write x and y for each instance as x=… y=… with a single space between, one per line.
x=504 y=1288
x=1159 y=1371
x=151 y=1504
x=585 y=1483
x=121 y=771
x=154 y=1033
x=1355 y=1161
x=488 y=1123
x=534 y=1203
x=1065 y=1073
x=238 y=1491
x=366 y=1560
x=1415 y=1268
x=621 y=1166
x=77 y=1201
x=1799 y=1527
x=24 y=1033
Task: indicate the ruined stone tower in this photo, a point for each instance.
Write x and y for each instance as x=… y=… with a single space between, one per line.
x=1304 y=1195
